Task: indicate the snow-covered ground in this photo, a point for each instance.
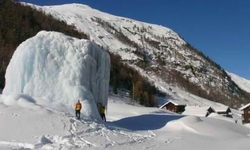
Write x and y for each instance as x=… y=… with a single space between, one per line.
x=44 y=125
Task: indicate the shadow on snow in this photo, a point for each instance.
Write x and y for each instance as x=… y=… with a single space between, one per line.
x=145 y=122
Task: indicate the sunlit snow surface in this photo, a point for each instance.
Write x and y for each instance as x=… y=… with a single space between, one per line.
x=241 y=82
x=60 y=68
x=37 y=124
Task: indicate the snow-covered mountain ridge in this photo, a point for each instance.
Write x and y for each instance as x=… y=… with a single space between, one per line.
x=242 y=82
x=157 y=51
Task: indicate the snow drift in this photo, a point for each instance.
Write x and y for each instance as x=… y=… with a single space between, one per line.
x=60 y=68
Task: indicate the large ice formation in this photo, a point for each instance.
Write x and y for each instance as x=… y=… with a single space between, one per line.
x=60 y=68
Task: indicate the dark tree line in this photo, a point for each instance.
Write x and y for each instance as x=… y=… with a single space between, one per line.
x=233 y=90
x=229 y=99
x=18 y=23
x=123 y=76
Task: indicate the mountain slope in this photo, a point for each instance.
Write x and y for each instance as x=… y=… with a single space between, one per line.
x=154 y=50
x=242 y=82
x=103 y=28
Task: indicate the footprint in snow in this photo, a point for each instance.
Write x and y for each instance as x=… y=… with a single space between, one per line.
x=15 y=115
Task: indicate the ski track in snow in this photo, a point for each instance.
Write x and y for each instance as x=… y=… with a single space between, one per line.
x=84 y=134
x=82 y=137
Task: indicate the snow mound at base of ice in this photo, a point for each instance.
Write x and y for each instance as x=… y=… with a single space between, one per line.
x=59 y=68
x=183 y=124
x=33 y=104
x=21 y=100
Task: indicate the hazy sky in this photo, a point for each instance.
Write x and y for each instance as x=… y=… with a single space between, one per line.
x=218 y=28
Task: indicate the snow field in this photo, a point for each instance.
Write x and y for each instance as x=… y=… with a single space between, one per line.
x=53 y=126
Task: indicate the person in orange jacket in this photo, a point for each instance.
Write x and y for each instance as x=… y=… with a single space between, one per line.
x=78 y=108
x=102 y=113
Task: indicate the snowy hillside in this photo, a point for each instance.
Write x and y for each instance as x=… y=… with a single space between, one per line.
x=156 y=51
x=241 y=82
x=90 y=21
x=43 y=125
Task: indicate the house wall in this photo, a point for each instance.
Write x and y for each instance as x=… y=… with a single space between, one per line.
x=246 y=115
x=173 y=108
x=170 y=107
x=210 y=110
x=180 y=109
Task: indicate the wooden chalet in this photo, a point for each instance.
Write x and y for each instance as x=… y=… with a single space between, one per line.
x=245 y=113
x=174 y=106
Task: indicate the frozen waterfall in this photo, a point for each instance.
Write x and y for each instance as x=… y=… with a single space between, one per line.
x=60 y=68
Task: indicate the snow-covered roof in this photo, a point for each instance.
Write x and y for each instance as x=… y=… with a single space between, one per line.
x=221 y=108
x=196 y=110
x=175 y=102
x=243 y=107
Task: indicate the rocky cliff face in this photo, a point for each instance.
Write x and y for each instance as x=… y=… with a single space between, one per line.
x=158 y=52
